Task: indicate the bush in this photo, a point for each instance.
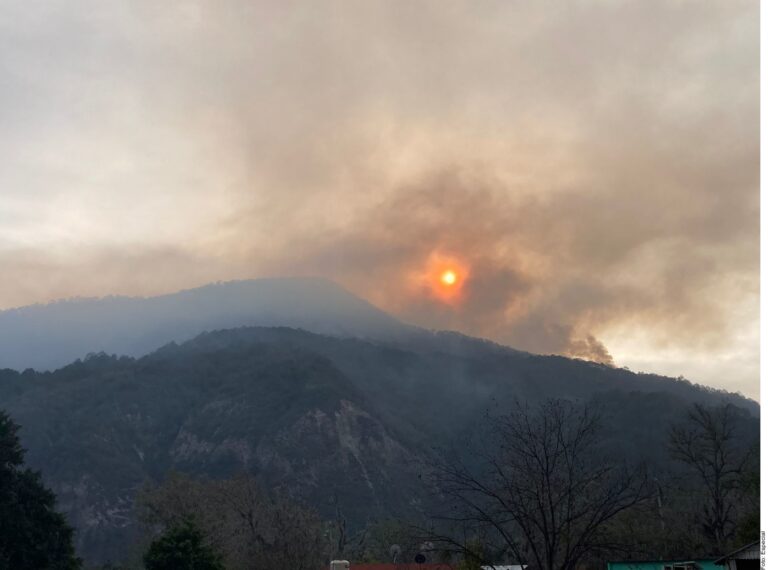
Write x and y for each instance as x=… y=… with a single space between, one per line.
x=182 y=547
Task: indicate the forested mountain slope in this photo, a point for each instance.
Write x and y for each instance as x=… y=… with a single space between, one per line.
x=328 y=419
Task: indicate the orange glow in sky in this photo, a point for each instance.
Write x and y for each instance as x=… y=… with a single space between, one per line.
x=444 y=277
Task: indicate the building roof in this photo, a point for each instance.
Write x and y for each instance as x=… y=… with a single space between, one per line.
x=657 y=561
x=406 y=566
x=747 y=552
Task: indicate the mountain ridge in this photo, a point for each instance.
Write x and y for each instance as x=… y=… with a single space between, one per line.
x=323 y=416
x=45 y=336
x=316 y=415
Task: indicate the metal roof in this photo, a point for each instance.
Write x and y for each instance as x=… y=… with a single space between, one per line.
x=748 y=552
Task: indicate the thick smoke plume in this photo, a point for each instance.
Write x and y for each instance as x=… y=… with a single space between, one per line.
x=595 y=164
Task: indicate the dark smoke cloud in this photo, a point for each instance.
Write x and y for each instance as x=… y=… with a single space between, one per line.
x=594 y=163
x=545 y=274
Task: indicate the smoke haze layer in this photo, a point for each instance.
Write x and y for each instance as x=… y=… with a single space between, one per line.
x=593 y=165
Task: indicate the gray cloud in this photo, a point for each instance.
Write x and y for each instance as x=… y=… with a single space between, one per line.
x=595 y=164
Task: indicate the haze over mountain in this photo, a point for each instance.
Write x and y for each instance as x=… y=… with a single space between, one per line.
x=48 y=336
x=329 y=420
x=347 y=407
x=595 y=168
x=574 y=187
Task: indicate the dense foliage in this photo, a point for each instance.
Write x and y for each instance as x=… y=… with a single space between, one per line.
x=181 y=547
x=343 y=425
x=33 y=536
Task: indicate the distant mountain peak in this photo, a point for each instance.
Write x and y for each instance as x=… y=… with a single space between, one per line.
x=46 y=336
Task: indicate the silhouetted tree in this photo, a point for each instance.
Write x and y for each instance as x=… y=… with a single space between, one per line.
x=33 y=536
x=541 y=492
x=248 y=526
x=706 y=442
x=182 y=547
x=748 y=528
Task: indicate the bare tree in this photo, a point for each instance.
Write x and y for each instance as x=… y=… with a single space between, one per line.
x=706 y=442
x=386 y=540
x=250 y=527
x=338 y=532
x=540 y=491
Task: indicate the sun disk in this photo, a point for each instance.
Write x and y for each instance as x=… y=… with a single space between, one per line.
x=448 y=277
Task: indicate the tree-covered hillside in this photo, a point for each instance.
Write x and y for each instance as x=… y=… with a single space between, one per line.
x=340 y=423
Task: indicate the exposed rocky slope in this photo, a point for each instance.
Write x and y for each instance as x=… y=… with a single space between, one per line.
x=322 y=417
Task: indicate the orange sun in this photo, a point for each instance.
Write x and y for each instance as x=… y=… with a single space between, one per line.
x=448 y=277
x=444 y=278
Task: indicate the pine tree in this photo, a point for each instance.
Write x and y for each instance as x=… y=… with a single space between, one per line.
x=33 y=535
x=182 y=547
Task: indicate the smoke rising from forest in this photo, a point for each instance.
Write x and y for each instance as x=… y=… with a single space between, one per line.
x=595 y=165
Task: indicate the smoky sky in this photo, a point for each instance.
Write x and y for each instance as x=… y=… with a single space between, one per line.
x=594 y=164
